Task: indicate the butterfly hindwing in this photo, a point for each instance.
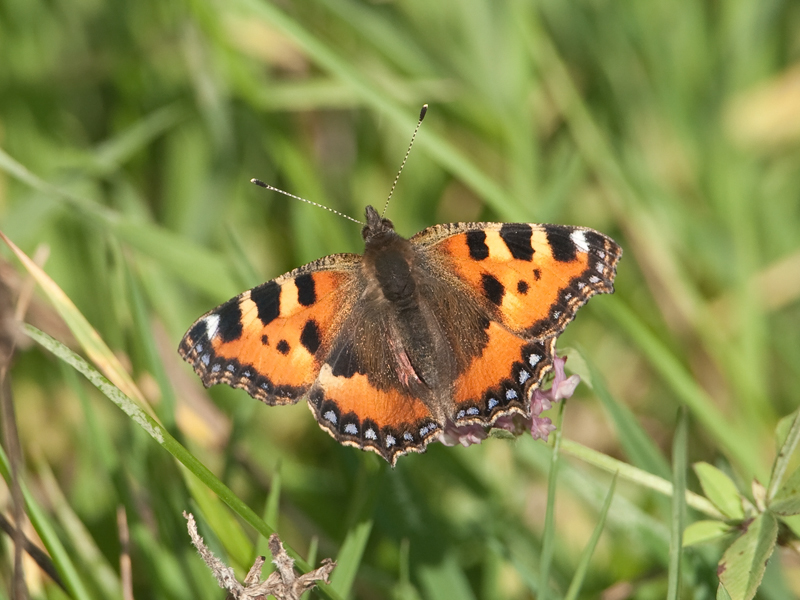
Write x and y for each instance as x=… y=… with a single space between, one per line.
x=272 y=340
x=355 y=411
x=499 y=381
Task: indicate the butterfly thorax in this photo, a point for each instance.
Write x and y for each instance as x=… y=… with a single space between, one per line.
x=418 y=354
x=389 y=262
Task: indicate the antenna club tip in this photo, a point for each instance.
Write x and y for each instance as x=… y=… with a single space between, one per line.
x=423 y=111
x=258 y=182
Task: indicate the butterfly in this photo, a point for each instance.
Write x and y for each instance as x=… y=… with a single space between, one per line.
x=456 y=325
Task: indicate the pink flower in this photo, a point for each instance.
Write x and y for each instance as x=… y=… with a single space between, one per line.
x=539 y=427
x=466 y=435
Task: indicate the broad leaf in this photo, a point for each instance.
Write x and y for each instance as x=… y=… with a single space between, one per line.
x=720 y=489
x=742 y=566
x=704 y=531
x=786 y=501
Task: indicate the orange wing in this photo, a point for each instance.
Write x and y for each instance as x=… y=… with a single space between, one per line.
x=273 y=339
x=356 y=413
x=530 y=279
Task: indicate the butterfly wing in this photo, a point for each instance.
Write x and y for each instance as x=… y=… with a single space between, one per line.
x=532 y=278
x=272 y=340
x=529 y=280
x=306 y=334
x=357 y=411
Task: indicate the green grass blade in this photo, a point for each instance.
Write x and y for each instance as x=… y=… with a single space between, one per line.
x=548 y=537
x=155 y=365
x=226 y=528
x=586 y=556
x=106 y=579
x=162 y=437
x=638 y=476
x=193 y=263
x=349 y=559
x=638 y=445
x=737 y=444
x=442 y=151
x=114 y=152
x=62 y=559
x=271 y=508
x=678 y=506
x=446 y=581
x=89 y=339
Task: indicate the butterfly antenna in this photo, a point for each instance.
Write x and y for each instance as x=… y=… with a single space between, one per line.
x=274 y=189
x=405 y=158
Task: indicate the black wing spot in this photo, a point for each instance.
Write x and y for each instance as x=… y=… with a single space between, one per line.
x=561 y=244
x=493 y=289
x=267 y=298
x=517 y=237
x=283 y=347
x=346 y=362
x=230 y=321
x=522 y=287
x=198 y=332
x=476 y=242
x=306 y=291
x=537 y=274
x=310 y=336
x=265 y=340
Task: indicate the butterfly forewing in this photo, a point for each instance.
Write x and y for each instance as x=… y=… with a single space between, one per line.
x=273 y=339
x=531 y=278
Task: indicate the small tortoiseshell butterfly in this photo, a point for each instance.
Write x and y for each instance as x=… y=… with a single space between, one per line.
x=457 y=324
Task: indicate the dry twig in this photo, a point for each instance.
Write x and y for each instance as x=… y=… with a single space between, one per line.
x=283 y=583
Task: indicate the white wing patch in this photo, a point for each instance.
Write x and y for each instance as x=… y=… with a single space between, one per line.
x=579 y=239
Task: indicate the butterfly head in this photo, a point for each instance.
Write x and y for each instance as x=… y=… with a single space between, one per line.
x=376 y=226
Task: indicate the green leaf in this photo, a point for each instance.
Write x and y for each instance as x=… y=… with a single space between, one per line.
x=742 y=566
x=722 y=594
x=704 y=531
x=720 y=489
x=786 y=501
x=790 y=441
x=784 y=427
x=349 y=559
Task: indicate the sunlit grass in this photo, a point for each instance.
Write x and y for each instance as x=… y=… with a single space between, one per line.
x=128 y=136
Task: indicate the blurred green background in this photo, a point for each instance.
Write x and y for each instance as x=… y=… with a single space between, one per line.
x=129 y=133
